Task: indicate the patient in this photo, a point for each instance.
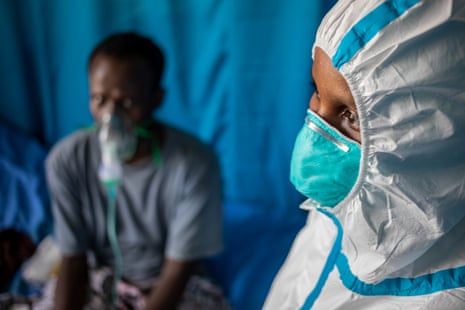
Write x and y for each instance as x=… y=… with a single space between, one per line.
x=167 y=184
x=381 y=159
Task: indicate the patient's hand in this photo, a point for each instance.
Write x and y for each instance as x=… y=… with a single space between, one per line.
x=15 y=248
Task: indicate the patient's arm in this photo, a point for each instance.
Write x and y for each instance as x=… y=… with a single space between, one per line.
x=72 y=285
x=170 y=286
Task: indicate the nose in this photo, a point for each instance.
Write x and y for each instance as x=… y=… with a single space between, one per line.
x=314 y=103
x=110 y=106
x=114 y=105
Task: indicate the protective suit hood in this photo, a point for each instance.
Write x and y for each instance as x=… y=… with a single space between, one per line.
x=404 y=62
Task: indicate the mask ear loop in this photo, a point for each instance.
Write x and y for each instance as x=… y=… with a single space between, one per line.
x=156 y=152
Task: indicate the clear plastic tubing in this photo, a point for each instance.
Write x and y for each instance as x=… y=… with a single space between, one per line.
x=112 y=188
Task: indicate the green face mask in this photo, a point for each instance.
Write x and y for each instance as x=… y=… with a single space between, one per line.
x=325 y=163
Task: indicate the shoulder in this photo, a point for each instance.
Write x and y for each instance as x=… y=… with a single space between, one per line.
x=187 y=145
x=72 y=147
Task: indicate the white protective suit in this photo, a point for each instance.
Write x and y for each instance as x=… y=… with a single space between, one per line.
x=397 y=241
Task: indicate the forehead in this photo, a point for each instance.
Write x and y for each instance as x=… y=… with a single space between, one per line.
x=108 y=70
x=324 y=68
x=329 y=80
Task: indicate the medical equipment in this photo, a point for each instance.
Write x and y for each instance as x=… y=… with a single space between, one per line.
x=325 y=163
x=113 y=138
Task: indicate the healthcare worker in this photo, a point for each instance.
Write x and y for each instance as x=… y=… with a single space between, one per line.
x=381 y=158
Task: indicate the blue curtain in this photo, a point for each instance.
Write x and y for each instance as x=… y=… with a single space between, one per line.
x=237 y=76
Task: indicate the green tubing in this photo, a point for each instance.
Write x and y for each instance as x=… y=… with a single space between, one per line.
x=112 y=188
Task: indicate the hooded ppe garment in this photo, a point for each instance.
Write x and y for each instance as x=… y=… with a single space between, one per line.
x=397 y=241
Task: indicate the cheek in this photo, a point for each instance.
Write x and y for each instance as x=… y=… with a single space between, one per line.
x=96 y=111
x=349 y=131
x=139 y=114
x=93 y=111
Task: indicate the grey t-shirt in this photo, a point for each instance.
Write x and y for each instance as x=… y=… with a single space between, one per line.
x=169 y=210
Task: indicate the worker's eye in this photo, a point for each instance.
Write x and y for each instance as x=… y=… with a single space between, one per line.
x=352 y=118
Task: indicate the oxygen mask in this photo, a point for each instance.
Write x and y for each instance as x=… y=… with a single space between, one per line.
x=118 y=141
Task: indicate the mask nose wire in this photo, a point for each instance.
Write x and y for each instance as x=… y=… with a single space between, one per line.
x=336 y=142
